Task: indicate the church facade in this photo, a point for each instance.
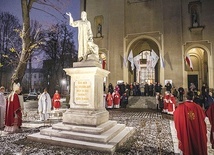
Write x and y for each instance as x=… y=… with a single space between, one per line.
x=170 y=29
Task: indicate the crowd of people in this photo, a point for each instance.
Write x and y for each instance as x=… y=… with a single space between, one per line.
x=12 y=107
x=189 y=115
x=117 y=96
x=171 y=94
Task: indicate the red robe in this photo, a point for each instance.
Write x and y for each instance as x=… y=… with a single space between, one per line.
x=210 y=115
x=56 y=100
x=12 y=108
x=171 y=104
x=165 y=103
x=109 y=100
x=116 y=100
x=189 y=119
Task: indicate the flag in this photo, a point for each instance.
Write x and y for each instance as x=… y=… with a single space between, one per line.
x=149 y=62
x=124 y=62
x=162 y=63
x=137 y=61
x=131 y=59
x=154 y=58
x=188 y=61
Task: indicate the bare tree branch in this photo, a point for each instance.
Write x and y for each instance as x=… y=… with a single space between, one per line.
x=47 y=13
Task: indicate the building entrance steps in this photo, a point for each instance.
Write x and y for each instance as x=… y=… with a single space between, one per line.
x=147 y=102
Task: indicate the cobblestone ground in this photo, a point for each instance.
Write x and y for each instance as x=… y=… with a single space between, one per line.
x=152 y=137
x=152 y=132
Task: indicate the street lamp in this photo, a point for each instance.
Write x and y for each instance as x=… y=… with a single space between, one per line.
x=63 y=83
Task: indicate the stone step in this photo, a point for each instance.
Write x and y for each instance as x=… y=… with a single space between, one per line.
x=57 y=113
x=145 y=102
x=72 y=143
x=120 y=138
x=102 y=138
x=85 y=129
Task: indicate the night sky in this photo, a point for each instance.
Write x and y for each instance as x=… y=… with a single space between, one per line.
x=14 y=7
x=73 y=6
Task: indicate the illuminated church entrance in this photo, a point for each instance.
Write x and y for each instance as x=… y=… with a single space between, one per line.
x=146 y=58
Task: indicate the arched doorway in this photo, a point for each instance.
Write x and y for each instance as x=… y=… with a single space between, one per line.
x=144 y=48
x=199 y=74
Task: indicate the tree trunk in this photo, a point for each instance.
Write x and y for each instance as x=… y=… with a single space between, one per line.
x=26 y=50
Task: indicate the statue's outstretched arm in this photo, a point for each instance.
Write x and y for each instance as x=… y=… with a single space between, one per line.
x=70 y=18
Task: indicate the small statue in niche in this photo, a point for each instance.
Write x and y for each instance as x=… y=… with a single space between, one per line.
x=194 y=19
x=99 y=30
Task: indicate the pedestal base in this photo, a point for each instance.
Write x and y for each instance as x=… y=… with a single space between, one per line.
x=85 y=117
x=106 y=137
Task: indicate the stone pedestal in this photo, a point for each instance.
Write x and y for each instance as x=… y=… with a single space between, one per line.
x=86 y=97
x=86 y=124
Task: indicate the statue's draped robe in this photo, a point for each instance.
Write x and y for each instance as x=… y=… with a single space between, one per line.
x=84 y=35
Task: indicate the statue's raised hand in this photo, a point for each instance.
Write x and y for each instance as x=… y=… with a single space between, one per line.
x=68 y=13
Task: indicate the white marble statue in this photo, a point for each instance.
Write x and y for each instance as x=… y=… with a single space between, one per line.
x=85 y=37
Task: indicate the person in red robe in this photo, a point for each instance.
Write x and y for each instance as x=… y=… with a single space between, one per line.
x=56 y=100
x=210 y=115
x=189 y=119
x=166 y=101
x=13 y=114
x=171 y=104
x=109 y=100
x=116 y=100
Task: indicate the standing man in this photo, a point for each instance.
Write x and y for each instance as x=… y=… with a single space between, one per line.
x=210 y=115
x=166 y=100
x=191 y=128
x=171 y=104
x=56 y=100
x=158 y=87
x=124 y=100
x=209 y=99
x=109 y=100
x=181 y=93
x=44 y=105
x=2 y=106
x=168 y=86
x=13 y=115
x=116 y=100
x=146 y=89
x=85 y=37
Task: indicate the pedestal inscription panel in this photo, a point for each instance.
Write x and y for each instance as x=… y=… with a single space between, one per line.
x=82 y=92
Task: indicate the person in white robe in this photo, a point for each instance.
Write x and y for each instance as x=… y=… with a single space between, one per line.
x=2 y=106
x=44 y=105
